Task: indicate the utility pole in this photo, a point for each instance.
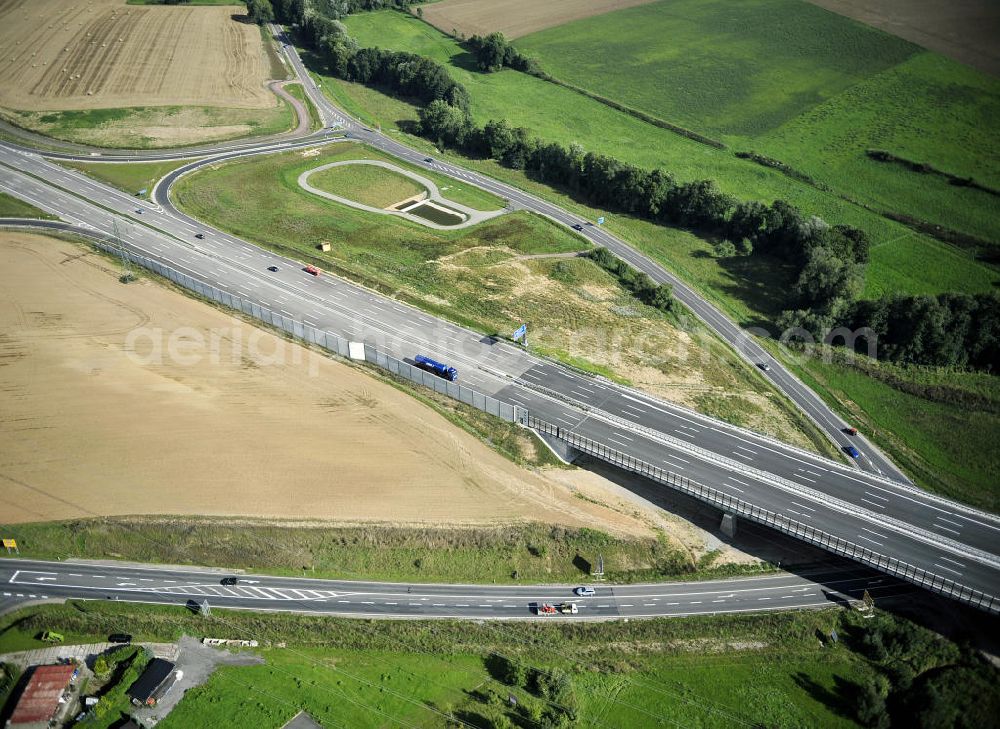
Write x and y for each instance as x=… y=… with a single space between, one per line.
x=119 y=246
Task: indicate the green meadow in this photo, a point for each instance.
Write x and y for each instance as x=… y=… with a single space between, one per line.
x=903 y=260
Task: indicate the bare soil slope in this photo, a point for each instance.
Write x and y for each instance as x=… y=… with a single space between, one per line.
x=96 y=54
x=514 y=18
x=92 y=422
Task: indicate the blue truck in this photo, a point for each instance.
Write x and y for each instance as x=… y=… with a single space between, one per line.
x=441 y=370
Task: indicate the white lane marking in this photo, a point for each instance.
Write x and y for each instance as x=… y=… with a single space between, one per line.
x=941 y=566
x=877 y=534
x=875 y=496
x=741 y=455
x=945 y=559
x=802 y=506
x=744 y=448
x=874 y=503
x=941 y=518
x=862 y=536
x=946 y=529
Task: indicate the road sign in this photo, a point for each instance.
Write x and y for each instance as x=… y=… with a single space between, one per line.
x=10 y=543
x=600 y=220
x=521 y=333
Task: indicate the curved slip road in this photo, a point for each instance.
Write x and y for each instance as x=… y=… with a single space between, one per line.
x=22 y=581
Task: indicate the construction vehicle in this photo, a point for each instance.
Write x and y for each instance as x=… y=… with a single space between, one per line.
x=50 y=636
x=441 y=370
x=546 y=609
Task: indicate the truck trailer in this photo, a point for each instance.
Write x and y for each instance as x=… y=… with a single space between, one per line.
x=441 y=370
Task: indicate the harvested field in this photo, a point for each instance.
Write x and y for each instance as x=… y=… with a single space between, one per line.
x=965 y=30
x=106 y=54
x=90 y=426
x=515 y=18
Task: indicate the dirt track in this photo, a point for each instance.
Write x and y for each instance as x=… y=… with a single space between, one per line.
x=95 y=54
x=91 y=423
x=515 y=18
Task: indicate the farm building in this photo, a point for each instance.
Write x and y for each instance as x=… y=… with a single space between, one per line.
x=154 y=682
x=42 y=698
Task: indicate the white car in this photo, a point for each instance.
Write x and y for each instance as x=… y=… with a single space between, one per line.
x=585 y=591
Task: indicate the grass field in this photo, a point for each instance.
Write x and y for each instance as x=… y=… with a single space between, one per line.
x=12 y=207
x=480 y=277
x=299 y=93
x=148 y=127
x=367 y=184
x=773 y=75
x=940 y=426
x=556 y=113
x=131 y=177
x=535 y=552
x=359 y=673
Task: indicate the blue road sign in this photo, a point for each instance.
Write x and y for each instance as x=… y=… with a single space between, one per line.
x=521 y=331
x=600 y=220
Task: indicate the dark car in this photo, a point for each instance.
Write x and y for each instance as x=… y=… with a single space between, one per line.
x=272 y=269
x=230 y=580
x=119 y=638
x=852 y=451
x=199 y=236
x=851 y=431
x=429 y=160
x=577 y=227
x=764 y=366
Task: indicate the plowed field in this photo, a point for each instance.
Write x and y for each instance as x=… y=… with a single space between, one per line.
x=60 y=55
x=515 y=18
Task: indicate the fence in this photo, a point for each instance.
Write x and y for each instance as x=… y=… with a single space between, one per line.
x=340 y=346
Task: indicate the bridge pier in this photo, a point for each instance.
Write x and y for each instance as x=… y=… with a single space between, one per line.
x=562 y=450
x=728 y=525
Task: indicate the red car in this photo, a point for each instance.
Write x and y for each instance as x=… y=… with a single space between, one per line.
x=313 y=270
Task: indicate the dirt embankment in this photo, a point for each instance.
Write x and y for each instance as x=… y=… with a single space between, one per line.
x=134 y=399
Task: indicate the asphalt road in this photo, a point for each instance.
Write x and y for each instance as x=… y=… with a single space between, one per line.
x=24 y=580
x=891 y=518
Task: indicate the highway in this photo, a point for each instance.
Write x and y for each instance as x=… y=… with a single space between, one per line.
x=26 y=580
x=889 y=517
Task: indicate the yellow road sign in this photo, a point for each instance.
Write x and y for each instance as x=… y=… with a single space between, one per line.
x=10 y=543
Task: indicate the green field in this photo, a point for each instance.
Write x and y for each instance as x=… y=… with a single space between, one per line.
x=130 y=177
x=803 y=85
x=12 y=207
x=481 y=278
x=728 y=671
x=940 y=426
x=559 y=114
x=367 y=184
x=299 y=93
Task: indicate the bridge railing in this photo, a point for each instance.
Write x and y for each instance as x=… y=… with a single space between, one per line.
x=734 y=505
x=724 y=501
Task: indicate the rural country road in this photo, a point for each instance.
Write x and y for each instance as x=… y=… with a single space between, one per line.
x=24 y=581
x=957 y=544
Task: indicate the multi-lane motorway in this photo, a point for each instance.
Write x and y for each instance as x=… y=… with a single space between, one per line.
x=27 y=580
x=889 y=517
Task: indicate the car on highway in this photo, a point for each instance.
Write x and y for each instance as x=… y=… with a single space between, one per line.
x=569 y=608
x=852 y=451
x=764 y=366
x=272 y=269
x=577 y=226
x=119 y=638
x=311 y=270
x=138 y=211
x=199 y=236
x=429 y=160
x=230 y=581
x=584 y=591
x=851 y=431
